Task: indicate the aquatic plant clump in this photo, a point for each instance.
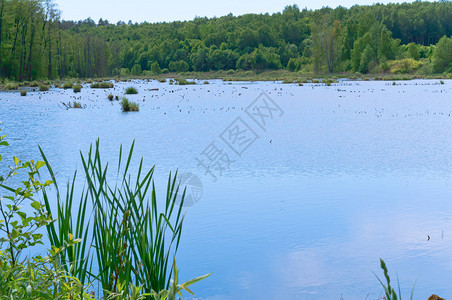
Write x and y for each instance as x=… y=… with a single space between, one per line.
x=43 y=88
x=102 y=85
x=131 y=91
x=68 y=85
x=77 y=88
x=128 y=105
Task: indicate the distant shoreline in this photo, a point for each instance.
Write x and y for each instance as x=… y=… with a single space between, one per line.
x=285 y=76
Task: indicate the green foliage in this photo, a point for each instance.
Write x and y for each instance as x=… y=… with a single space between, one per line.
x=131 y=90
x=36 y=277
x=42 y=45
x=442 y=56
x=134 y=239
x=131 y=238
x=179 y=66
x=23 y=93
x=128 y=105
x=404 y=66
x=155 y=68
x=136 y=70
x=102 y=85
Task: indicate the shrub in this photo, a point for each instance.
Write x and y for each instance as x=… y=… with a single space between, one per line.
x=131 y=91
x=179 y=66
x=136 y=70
x=403 y=66
x=68 y=85
x=23 y=93
x=155 y=68
x=110 y=97
x=442 y=56
x=162 y=80
x=77 y=88
x=102 y=85
x=43 y=88
x=442 y=82
x=34 y=84
x=129 y=105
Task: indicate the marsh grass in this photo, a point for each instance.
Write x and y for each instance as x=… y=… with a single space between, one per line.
x=43 y=88
x=131 y=91
x=77 y=88
x=102 y=85
x=23 y=93
x=183 y=81
x=128 y=105
x=123 y=230
x=68 y=85
x=11 y=86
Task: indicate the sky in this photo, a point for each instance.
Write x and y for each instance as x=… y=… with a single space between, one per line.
x=172 y=10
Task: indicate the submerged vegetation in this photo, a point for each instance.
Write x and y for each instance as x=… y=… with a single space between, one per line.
x=393 y=38
x=125 y=247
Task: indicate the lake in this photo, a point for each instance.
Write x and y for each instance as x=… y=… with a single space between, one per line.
x=299 y=190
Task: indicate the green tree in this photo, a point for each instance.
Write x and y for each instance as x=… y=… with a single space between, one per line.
x=442 y=56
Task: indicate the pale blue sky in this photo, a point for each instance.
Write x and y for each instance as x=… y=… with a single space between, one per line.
x=170 y=10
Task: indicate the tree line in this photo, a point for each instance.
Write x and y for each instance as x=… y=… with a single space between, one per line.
x=36 y=43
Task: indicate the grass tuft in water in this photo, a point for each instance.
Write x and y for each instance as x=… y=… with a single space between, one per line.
x=131 y=91
x=102 y=85
x=43 y=88
x=77 y=88
x=128 y=105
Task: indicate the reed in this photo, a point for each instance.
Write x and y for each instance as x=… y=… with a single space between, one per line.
x=123 y=230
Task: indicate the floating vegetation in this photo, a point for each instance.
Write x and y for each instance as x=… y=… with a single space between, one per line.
x=129 y=105
x=23 y=93
x=110 y=97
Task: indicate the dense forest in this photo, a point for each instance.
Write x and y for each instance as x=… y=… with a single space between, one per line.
x=395 y=38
